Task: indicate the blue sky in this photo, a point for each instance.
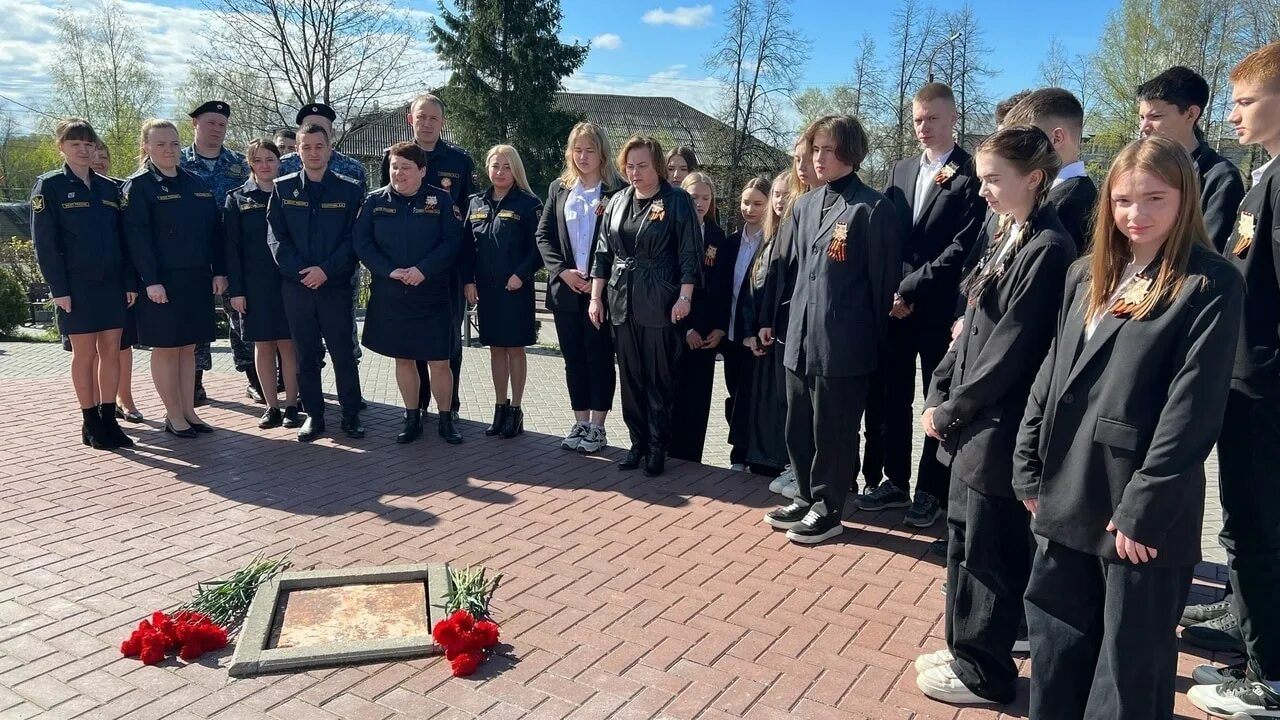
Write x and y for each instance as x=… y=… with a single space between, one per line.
x=642 y=48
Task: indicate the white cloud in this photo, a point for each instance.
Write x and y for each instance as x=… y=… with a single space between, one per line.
x=685 y=17
x=607 y=41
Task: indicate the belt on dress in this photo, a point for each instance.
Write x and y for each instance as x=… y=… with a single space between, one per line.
x=632 y=263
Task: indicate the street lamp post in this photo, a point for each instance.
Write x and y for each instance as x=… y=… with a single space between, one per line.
x=941 y=45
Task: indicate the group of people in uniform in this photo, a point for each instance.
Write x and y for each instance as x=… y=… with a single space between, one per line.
x=1082 y=350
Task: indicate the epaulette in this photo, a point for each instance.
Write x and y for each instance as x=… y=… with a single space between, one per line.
x=289 y=176
x=348 y=178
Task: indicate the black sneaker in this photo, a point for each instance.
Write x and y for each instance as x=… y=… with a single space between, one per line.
x=1196 y=614
x=885 y=495
x=784 y=518
x=924 y=512
x=815 y=528
x=1243 y=698
x=1220 y=634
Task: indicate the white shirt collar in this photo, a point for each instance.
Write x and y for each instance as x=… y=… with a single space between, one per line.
x=1259 y=172
x=942 y=159
x=581 y=189
x=1074 y=170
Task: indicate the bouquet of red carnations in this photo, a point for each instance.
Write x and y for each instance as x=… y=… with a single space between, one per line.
x=467 y=642
x=191 y=634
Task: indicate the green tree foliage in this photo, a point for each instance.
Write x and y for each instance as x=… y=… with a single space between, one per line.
x=508 y=64
x=13 y=303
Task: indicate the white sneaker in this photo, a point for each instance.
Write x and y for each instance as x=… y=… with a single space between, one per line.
x=786 y=476
x=937 y=658
x=941 y=684
x=594 y=441
x=1240 y=699
x=1214 y=675
x=738 y=467
x=574 y=438
x=791 y=490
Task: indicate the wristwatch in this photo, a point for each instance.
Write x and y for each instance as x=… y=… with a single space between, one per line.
x=685 y=298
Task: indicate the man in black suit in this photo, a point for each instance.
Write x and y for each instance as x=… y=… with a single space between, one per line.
x=848 y=267
x=1061 y=116
x=939 y=213
x=1171 y=104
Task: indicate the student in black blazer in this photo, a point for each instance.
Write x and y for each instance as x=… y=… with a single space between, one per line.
x=935 y=196
x=978 y=390
x=846 y=242
x=1249 y=445
x=707 y=327
x=1171 y=104
x=1110 y=456
x=566 y=238
x=648 y=256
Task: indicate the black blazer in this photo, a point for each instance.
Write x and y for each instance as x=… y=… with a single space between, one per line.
x=1118 y=428
x=935 y=247
x=557 y=249
x=1221 y=191
x=1075 y=200
x=1257 y=366
x=979 y=390
x=712 y=296
x=840 y=308
x=780 y=283
x=644 y=280
x=752 y=297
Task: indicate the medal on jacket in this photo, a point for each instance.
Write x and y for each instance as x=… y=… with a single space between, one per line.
x=657 y=211
x=1133 y=297
x=947 y=172
x=432 y=202
x=599 y=206
x=839 y=235
x=709 y=257
x=1244 y=234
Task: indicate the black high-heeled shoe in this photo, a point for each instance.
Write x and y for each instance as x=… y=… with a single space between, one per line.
x=188 y=433
x=200 y=427
x=499 y=419
x=110 y=428
x=91 y=431
x=513 y=423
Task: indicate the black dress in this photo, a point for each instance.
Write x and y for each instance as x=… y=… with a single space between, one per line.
x=174 y=230
x=500 y=241
x=79 y=246
x=251 y=270
x=760 y=408
x=396 y=231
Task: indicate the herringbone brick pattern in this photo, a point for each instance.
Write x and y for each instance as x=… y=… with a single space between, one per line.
x=624 y=597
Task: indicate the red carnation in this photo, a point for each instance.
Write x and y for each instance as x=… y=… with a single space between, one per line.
x=486 y=633
x=131 y=647
x=463 y=621
x=190 y=652
x=466 y=663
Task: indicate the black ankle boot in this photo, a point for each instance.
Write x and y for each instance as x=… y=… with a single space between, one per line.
x=656 y=463
x=499 y=419
x=448 y=430
x=514 y=422
x=111 y=428
x=412 y=426
x=91 y=432
x=634 y=459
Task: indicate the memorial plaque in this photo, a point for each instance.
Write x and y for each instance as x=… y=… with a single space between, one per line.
x=350 y=613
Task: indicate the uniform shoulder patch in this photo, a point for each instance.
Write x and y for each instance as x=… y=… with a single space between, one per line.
x=348 y=178
x=37 y=203
x=288 y=176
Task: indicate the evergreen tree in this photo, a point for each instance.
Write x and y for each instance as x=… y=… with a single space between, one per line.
x=506 y=65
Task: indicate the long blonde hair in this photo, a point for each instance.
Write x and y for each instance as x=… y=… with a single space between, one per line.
x=1169 y=162
x=147 y=126
x=701 y=178
x=773 y=223
x=591 y=131
x=517 y=165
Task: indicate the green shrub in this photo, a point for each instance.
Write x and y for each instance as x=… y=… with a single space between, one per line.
x=13 y=303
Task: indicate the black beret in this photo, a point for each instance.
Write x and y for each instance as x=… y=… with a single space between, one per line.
x=316 y=109
x=215 y=106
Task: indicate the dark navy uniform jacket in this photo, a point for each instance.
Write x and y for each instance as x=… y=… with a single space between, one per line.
x=76 y=229
x=244 y=217
x=312 y=226
x=449 y=168
x=422 y=230
x=500 y=238
x=171 y=223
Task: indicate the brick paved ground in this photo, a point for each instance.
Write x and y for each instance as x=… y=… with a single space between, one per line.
x=625 y=597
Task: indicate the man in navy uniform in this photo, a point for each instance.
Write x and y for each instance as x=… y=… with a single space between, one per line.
x=310 y=218
x=450 y=168
x=223 y=170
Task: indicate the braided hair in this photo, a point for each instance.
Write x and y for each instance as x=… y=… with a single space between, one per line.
x=1028 y=149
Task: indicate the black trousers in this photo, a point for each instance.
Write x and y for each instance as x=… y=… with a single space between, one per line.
x=989 y=553
x=891 y=419
x=588 y=360
x=691 y=409
x=647 y=361
x=823 y=415
x=320 y=318
x=1248 y=458
x=737 y=364
x=458 y=307
x=1103 y=642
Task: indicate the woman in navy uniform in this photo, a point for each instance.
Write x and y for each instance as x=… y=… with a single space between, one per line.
x=174 y=229
x=648 y=256
x=705 y=329
x=499 y=257
x=254 y=283
x=567 y=235
x=75 y=227
x=1110 y=456
x=1012 y=299
x=408 y=235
